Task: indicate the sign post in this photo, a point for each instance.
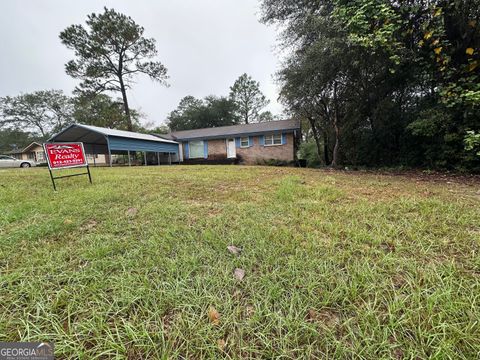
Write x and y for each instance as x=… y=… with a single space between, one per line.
x=66 y=156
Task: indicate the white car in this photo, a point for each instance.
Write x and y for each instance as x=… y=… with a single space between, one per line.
x=11 y=162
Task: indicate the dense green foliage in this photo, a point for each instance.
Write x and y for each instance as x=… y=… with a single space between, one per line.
x=383 y=82
x=109 y=52
x=337 y=265
x=42 y=112
x=472 y=142
x=249 y=99
x=38 y=115
x=243 y=105
x=101 y=110
x=211 y=111
x=13 y=139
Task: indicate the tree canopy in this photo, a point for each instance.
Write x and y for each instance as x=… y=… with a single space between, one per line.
x=248 y=99
x=382 y=82
x=41 y=112
x=110 y=51
x=211 y=111
x=101 y=110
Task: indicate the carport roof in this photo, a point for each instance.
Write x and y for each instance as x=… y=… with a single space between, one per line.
x=81 y=132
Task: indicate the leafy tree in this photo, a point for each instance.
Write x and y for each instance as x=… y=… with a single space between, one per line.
x=162 y=129
x=13 y=139
x=101 y=110
x=41 y=112
x=266 y=116
x=472 y=142
x=248 y=98
x=110 y=51
x=185 y=116
x=193 y=113
x=382 y=82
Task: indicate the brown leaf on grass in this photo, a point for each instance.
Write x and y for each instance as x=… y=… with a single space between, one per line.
x=221 y=344
x=239 y=274
x=387 y=247
x=67 y=221
x=249 y=311
x=398 y=354
x=214 y=315
x=131 y=212
x=326 y=317
x=234 y=250
x=89 y=225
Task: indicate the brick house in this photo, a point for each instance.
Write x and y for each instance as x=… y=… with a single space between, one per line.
x=248 y=144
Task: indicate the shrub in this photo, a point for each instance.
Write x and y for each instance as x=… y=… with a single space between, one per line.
x=308 y=151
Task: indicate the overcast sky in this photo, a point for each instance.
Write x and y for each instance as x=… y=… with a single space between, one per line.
x=205 y=44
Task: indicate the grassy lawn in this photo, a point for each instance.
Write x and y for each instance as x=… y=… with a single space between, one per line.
x=337 y=265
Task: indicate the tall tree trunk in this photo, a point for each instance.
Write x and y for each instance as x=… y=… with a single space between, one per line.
x=316 y=136
x=335 y=126
x=325 y=147
x=125 y=104
x=335 y=148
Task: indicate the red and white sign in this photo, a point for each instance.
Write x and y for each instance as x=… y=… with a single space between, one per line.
x=65 y=155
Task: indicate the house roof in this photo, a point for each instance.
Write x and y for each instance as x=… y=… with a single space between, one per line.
x=245 y=129
x=31 y=145
x=24 y=150
x=82 y=129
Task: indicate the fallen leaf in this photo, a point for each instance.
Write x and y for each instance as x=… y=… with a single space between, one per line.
x=221 y=344
x=249 y=311
x=469 y=51
x=234 y=250
x=239 y=274
x=214 y=315
x=132 y=211
x=67 y=221
x=398 y=354
x=89 y=225
x=326 y=317
x=312 y=315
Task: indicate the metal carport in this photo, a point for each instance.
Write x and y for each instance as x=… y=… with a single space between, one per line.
x=99 y=140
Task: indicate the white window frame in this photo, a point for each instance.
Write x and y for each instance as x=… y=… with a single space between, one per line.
x=40 y=156
x=242 y=139
x=272 y=137
x=190 y=149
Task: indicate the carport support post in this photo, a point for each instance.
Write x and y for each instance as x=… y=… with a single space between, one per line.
x=129 y=164
x=109 y=152
x=145 y=154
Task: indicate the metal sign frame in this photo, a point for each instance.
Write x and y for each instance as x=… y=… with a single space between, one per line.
x=50 y=168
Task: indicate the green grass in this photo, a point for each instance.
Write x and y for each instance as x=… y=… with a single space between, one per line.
x=338 y=265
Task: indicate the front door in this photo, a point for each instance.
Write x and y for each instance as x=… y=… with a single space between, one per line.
x=231 y=151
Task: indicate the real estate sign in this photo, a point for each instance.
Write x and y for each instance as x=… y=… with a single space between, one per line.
x=66 y=156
